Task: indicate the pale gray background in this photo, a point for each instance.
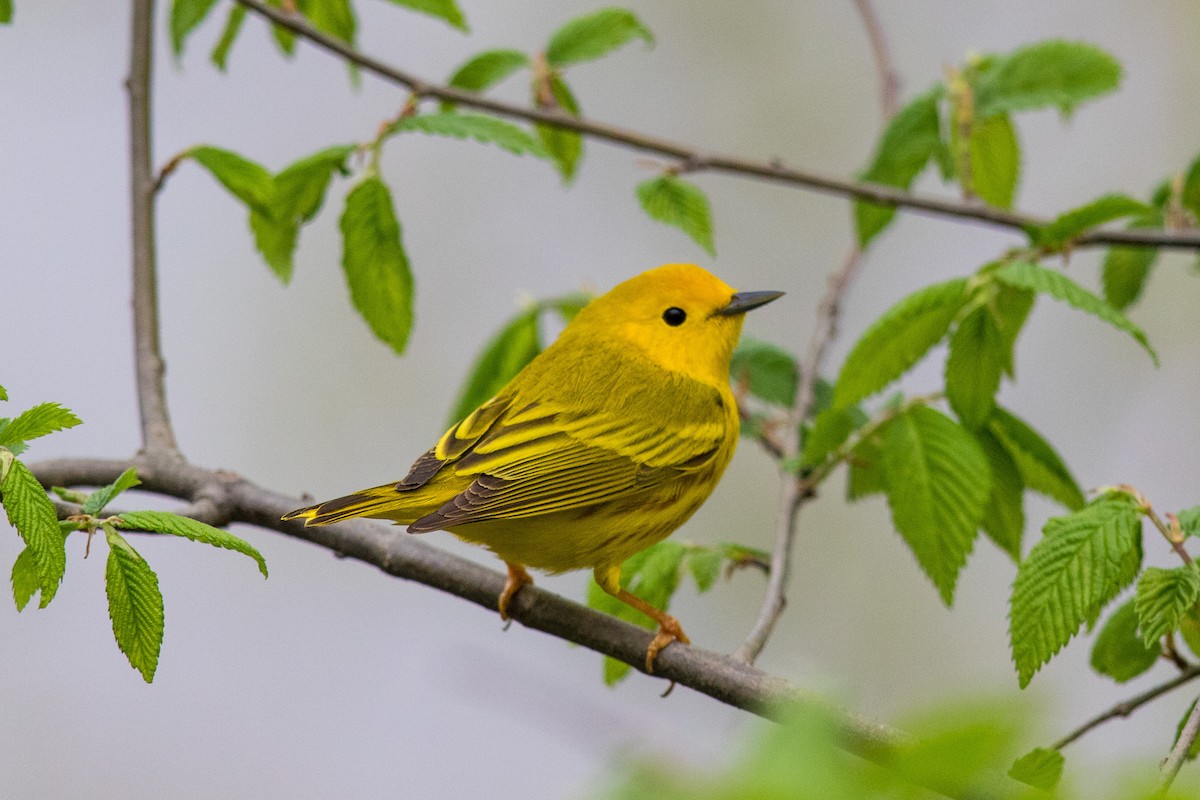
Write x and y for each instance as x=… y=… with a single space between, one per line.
x=331 y=679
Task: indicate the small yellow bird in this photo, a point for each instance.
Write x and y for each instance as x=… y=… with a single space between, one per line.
x=599 y=448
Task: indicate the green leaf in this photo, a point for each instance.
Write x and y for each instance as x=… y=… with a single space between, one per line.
x=1004 y=518
x=486 y=69
x=275 y=240
x=479 y=127
x=284 y=38
x=6 y=12
x=506 y=354
x=1082 y=562
x=247 y=181
x=185 y=16
x=652 y=575
x=676 y=202
x=1040 y=466
x=995 y=160
x=375 y=263
x=30 y=511
x=176 y=525
x=25 y=580
x=705 y=566
x=135 y=605
x=1040 y=768
x=334 y=17
x=1189 y=197
x=829 y=430
x=1189 y=521
x=1027 y=275
x=978 y=356
x=911 y=138
x=1163 y=597
x=300 y=187
x=233 y=26
x=1010 y=308
x=564 y=146
x=100 y=498
x=1050 y=73
x=3 y=393
x=938 y=483
x=42 y=419
x=1119 y=651
x=897 y=340
x=1071 y=224
x=770 y=373
x=594 y=35
x=866 y=476
x=446 y=10
x=1124 y=273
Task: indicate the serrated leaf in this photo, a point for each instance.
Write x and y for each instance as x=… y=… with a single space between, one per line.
x=937 y=482
x=479 y=127
x=1004 y=518
x=97 y=500
x=135 y=605
x=1124 y=273
x=1050 y=73
x=1040 y=466
x=30 y=511
x=334 y=17
x=25 y=580
x=594 y=35
x=1082 y=562
x=910 y=139
x=275 y=241
x=676 y=202
x=229 y=34
x=185 y=16
x=829 y=430
x=486 y=69
x=977 y=359
x=652 y=575
x=1189 y=521
x=1010 y=308
x=247 y=181
x=1028 y=275
x=1071 y=224
x=1163 y=597
x=1040 y=768
x=188 y=528
x=564 y=146
x=995 y=160
x=375 y=263
x=770 y=373
x=704 y=565
x=505 y=355
x=1119 y=651
x=300 y=187
x=445 y=10
x=897 y=340
x=42 y=419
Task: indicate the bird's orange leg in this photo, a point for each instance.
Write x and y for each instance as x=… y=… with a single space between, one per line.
x=669 y=629
x=517 y=577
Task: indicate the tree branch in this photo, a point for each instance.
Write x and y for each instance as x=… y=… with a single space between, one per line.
x=1179 y=752
x=889 y=78
x=157 y=434
x=693 y=160
x=1127 y=707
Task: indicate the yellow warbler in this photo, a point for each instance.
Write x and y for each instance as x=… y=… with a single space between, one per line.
x=600 y=447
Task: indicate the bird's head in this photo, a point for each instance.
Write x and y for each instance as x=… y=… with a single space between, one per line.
x=680 y=316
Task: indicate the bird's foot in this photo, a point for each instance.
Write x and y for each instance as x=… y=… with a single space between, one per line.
x=669 y=630
x=517 y=577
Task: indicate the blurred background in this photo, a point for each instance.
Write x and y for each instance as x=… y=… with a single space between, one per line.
x=331 y=679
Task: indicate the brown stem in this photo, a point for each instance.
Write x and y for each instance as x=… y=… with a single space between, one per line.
x=889 y=78
x=157 y=434
x=1179 y=753
x=694 y=160
x=1127 y=707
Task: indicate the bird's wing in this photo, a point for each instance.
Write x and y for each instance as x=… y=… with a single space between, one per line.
x=548 y=456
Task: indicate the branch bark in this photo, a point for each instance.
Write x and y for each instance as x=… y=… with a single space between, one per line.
x=157 y=434
x=694 y=160
x=1127 y=707
x=1187 y=737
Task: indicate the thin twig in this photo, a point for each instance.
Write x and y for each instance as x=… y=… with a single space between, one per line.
x=1127 y=707
x=1183 y=745
x=694 y=160
x=889 y=78
x=157 y=434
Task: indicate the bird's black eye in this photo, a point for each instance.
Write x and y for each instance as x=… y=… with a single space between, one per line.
x=674 y=316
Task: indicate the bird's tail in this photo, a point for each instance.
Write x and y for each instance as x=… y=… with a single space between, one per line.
x=380 y=502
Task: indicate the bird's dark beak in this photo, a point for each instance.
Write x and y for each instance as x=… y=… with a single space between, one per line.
x=742 y=302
